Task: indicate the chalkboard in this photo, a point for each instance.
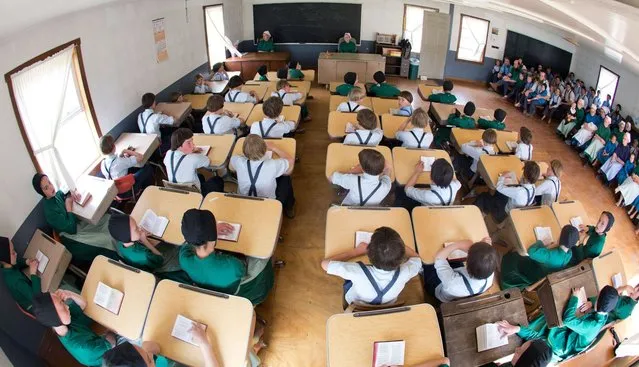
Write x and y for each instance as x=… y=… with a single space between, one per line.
x=307 y=22
x=536 y=52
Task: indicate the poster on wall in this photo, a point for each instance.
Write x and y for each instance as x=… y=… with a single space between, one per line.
x=159 y=35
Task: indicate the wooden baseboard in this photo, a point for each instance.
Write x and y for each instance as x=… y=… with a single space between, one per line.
x=468 y=81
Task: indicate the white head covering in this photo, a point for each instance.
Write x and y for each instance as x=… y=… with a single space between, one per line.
x=347 y=34
x=267 y=32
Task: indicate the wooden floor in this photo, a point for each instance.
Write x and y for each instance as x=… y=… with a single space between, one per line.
x=304 y=296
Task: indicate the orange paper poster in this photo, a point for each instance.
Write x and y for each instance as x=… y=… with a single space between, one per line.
x=159 y=35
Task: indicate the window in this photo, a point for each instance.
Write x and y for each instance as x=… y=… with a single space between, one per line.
x=607 y=83
x=473 y=35
x=414 y=23
x=55 y=113
x=215 y=38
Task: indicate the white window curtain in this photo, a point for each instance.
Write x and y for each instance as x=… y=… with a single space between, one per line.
x=472 y=41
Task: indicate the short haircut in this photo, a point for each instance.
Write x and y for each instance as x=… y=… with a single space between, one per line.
x=292 y=64
x=379 y=77
x=557 y=167
x=355 y=94
x=123 y=355
x=175 y=96
x=262 y=70
x=282 y=73
x=419 y=118
x=531 y=172
x=538 y=354
x=448 y=85
x=272 y=107
x=406 y=95
x=281 y=84
x=254 y=147
x=107 y=144
x=148 y=99
x=499 y=115
x=372 y=161
x=489 y=136
x=367 y=119
x=386 y=250
x=215 y=103
x=441 y=172
x=217 y=66
x=482 y=260
x=198 y=77
x=350 y=78
x=179 y=136
x=235 y=81
x=525 y=135
x=469 y=109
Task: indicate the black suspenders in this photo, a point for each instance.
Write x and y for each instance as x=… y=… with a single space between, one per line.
x=352 y=109
x=208 y=121
x=145 y=121
x=232 y=99
x=529 y=152
x=529 y=198
x=253 y=179
x=174 y=168
x=363 y=201
x=364 y=142
x=470 y=290
x=265 y=135
x=380 y=292
x=419 y=141
x=108 y=169
x=486 y=151
x=441 y=200
x=557 y=187
x=282 y=95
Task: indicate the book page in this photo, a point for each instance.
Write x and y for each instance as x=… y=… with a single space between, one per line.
x=85 y=196
x=182 y=329
x=510 y=179
x=389 y=353
x=428 y=163
x=349 y=128
x=544 y=234
x=154 y=224
x=576 y=222
x=205 y=149
x=43 y=261
x=488 y=337
x=617 y=280
x=394 y=111
x=457 y=254
x=582 y=298
x=511 y=144
x=108 y=298
x=233 y=236
x=363 y=236
x=268 y=154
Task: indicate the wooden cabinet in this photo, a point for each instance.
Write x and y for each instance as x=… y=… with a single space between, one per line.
x=331 y=67
x=395 y=64
x=248 y=64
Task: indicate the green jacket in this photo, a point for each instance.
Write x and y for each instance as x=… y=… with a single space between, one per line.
x=519 y=271
x=81 y=342
x=619 y=134
x=384 y=90
x=553 y=259
x=350 y=47
x=591 y=249
x=57 y=216
x=447 y=98
x=344 y=89
x=465 y=122
x=580 y=115
x=21 y=287
x=218 y=271
x=623 y=310
x=295 y=74
x=265 y=46
x=140 y=256
x=603 y=132
x=490 y=124
x=263 y=78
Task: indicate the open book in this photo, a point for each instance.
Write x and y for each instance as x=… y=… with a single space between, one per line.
x=154 y=223
x=205 y=149
x=108 y=298
x=349 y=128
x=389 y=353
x=457 y=255
x=233 y=236
x=43 y=260
x=268 y=154
x=85 y=196
x=182 y=329
x=576 y=222
x=394 y=111
x=428 y=163
x=362 y=236
x=543 y=234
x=512 y=145
x=617 y=280
x=488 y=337
x=581 y=297
x=510 y=179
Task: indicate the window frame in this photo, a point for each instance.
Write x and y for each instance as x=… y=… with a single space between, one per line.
x=206 y=31
x=424 y=8
x=483 y=56
x=83 y=88
x=616 y=85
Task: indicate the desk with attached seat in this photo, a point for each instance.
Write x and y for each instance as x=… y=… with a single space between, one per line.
x=242 y=109
x=335 y=100
x=144 y=144
x=198 y=101
x=391 y=124
x=491 y=166
x=405 y=159
x=290 y=113
x=259 y=89
x=384 y=105
x=565 y=210
x=337 y=123
x=178 y=111
x=221 y=146
x=102 y=191
x=341 y=158
x=288 y=145
x=606 y=266
x=524 y=221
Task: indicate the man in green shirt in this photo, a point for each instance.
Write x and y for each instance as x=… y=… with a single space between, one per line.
x=465 y=121
x=350 y=79
x=592 y=239
x=497 y=123
x=266 y=43
x=446 y=97
x=381 y=88
x=63 y=311
x=348 y=45
x=21 y=286
x=295 y=70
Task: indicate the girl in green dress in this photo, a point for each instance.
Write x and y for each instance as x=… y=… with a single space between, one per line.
x=348 y=45
x=22 y=283
x=592 y=239
x=266 y=43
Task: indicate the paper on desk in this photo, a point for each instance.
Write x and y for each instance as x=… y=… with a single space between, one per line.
x=153 y=223
x=389 y=353
x=512 y=145
x=43 y=260
x=108 y=298
x=488 y=337
x=428 y=163
x=85 y=196
x=456 y=254
x=510 y=178
x=617 y=280
x=576 y=222
x=363 y=236
x=581 y=297
x=182 y=329
x=349 y=128
x=204 y=149
x=543 y=234
x=233 y=236
x=268 y=154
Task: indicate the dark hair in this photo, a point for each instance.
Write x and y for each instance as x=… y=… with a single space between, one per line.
x=441 y=172
x=123 y=355
x=107 y=144
x=448 y=85
x=148 y=99
x=538 y=354
x=386 y=250
x=367 y=119
x=469 y=109
x=350 y=78
x=499 y=115
x=215 y=103
x=607 y=300
x=489 y=136
x=569 y=236
x=531 y=171
x=482 y=260
x=282 y=73
x=179 y=136
x=292 y=64
x=262 y=70
x=525 y=135
x=372 y=161
x=217 y=66
x=379 y=77
x=272 y=107
x=175 y=96
x=406 y=95
x=235 y=82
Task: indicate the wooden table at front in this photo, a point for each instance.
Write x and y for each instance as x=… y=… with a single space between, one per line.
x=565 y=210
x=144 y=144
x=332 y=66
x=384 y=105
x=341 y=158
x=335 y=100
x=405 y=159
x=288 y=145
x=436 y=225
x=229 y=321
x=137 y=287
x=102 y=191
x=250 y=61
x=178 y=111
x=260 y=219
x=242 y=109
x=490 y=166
x=524 y=221
x=221 y=146
x=168 y=203
x=290 y=113
x=350 y=337
x=606 y=266
x=337 y=123
x=461 y=318
x=342 y=222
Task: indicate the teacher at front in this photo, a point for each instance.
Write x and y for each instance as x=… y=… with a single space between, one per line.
x=266 y=43
x=347 y=44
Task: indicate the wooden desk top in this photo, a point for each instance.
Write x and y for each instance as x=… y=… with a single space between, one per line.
x=102 y=191
x=459 y=137
x=137 y=287
x=261 y=56
x=221 y=146
x=524 y=221
x=384 y=105
x=332 y=86
x=350 y=337
x=259 y=89
x=335 y=100
x=342 y=222
x=351 y=56
x=178 y=111
x=289 y=145
x=425 y=91
x=229 y=321
x=490 y=166
x=299 y=86
x=565 y=210
x=606 y=266
x=243 y=109
x=341 y=158
x=144 y=144
x=337 y=123
x=405 y=159
x=198 y=101
x=436 y=225
x=169 y=203
x=218 y=86
x=290 y=113
x=391 y=124
x=504 y=136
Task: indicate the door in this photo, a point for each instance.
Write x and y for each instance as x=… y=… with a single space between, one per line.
x=432 y=57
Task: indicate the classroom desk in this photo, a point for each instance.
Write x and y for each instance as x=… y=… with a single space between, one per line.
x=169 y=203
x=524 y=221
x=198 y=101
x=606 y=266
x=425 y=90
x=248 y=64
x=436 y=225
x=391 y=124
x=309 y=75
x=341 y=158
x=384 y=105
x=242 y=109
x=459 y=137
x=289 y=145
x=299 y=86
x=260 y=90
x=405 y=159
x=137 y=287
x=229 y=323
x=462 y=317
x=441 y=112
x=261 y=220
x=335 y=100
x=337 y=123
x=350 y=337
x=564 y=210
x=144 y=144
x=290 y=113
x=218 y=86
x=221 y=146
x=342 y=222
x=503 y=137
x=178 y=111
x=490 y=166
x=332 y=86
x=102 y=191
x=332 y=66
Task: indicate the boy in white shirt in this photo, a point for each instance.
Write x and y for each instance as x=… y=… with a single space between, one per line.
x=442 y=191
x=201 y=87
x=548 y=191
x=272 y=126
x=405 y=104
x=218 y=72
x=368 y=182
x=115 y=166
x=217 y=121
x=149 y=121
x=473 y=151
x=365 y=130
x=524 y=147
x=235 y=94
x=183 y=161
x=260 y=176
x=382 y=281
x=417 y=137
x=290 y=98
x=355 y=97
